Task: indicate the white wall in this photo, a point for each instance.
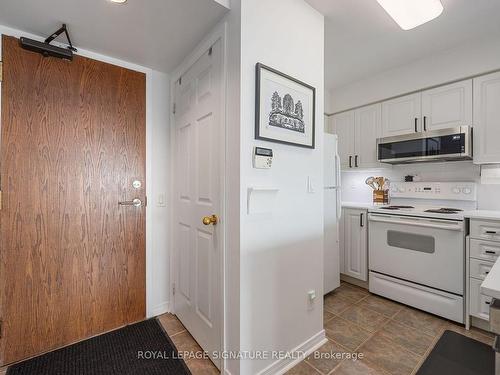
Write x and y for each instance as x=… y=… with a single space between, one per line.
x=281 y=253
x=157 y=221
x=157 y=145
x=469 y=59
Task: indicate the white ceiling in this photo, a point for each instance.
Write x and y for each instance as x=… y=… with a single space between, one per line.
x=154 y=33
x=362 y=40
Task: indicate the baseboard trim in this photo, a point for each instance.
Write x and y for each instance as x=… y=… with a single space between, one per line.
x=159 y=309
x=309 y=346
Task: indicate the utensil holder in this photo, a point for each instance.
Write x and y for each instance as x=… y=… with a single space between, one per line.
x=381 y=196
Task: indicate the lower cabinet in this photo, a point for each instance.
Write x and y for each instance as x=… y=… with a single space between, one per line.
x=353 y=243
x=479 y=304
x=484 y=250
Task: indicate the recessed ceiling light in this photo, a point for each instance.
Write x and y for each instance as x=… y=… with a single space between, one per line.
x=118 y=1
x=412 y=13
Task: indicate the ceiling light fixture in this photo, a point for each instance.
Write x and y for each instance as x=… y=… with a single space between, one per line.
x=118 y=1
x=409 y=14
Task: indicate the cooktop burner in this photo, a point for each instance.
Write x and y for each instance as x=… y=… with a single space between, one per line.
x=444 y=210
x=395 y=207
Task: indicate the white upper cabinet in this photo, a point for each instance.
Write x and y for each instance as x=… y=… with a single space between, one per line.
x=343 y=126
x=401 y=115
x=447 y=106
x=357 y=132
x=368 y=129
x=487 y=119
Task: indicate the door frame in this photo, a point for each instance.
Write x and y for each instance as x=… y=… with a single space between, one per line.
x=219 y=33
x=151 y=310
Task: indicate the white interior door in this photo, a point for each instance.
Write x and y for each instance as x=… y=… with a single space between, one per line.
x=199 y=138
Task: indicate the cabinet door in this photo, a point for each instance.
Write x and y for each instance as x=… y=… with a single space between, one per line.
x=487 y=119
x=355 y=249
x=447 y=106
x=343 y=126
x=367 y=130
x=401 y=115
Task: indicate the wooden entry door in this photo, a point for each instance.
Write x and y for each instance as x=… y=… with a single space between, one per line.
x=199 y=157
x=72 y=258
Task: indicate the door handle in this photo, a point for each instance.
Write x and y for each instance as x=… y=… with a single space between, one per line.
x=350 y=161
x=136 y=202
x=356 y=161
x=212 y=219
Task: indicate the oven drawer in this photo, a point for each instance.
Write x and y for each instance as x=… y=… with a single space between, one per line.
x=485 y=230
x=479 y=269
x=484 y=250
x=479 y=304
x=435 y=301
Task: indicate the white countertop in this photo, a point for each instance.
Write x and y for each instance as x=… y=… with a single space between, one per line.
x=366 y=206
x=491 y=284
x=482 y=214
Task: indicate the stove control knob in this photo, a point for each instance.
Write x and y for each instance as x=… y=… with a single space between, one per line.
x=456 y=190
x=466 y=190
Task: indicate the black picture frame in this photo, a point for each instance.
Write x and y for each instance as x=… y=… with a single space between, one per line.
x=258 y=106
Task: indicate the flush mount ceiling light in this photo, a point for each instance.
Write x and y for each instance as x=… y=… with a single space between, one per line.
x=409 y=14
x=118 y=1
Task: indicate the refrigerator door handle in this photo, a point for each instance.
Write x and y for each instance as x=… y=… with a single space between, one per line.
x=337 y=170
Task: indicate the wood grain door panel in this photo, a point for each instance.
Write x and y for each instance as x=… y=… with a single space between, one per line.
x=72 y=259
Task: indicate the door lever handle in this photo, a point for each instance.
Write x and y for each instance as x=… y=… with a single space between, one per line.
x=136 y=202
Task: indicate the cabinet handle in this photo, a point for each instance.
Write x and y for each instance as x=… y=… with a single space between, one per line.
x=425 y=123
x=356 y=161
x=350 y=161
x=361 y=224
x=490 y=252
x=486 y=302
x=491 y=232
x=416 y=119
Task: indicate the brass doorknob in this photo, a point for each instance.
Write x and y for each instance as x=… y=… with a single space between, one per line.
x=213 y=219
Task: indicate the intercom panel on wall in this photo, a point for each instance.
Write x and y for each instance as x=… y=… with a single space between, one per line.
x=262 y=158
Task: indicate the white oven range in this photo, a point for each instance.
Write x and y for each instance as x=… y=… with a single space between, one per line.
x=417 y=246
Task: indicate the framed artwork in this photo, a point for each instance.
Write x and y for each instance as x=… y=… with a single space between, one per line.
x=284 y=108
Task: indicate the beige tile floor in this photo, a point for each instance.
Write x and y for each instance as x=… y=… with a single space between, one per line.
x=394 y=339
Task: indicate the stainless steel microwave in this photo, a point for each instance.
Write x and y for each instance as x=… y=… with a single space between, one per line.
x=438 y=145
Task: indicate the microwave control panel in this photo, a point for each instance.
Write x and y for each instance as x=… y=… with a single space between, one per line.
x=464 y=191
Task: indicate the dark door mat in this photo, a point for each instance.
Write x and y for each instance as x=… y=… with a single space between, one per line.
x=116 y=352
x=455 y=354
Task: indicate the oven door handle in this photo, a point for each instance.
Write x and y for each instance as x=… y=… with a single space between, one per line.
x=415 y=223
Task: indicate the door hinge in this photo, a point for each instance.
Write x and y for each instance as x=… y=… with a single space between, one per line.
x=210 y=51
x=1 y=328
x=173 y=288
x=173 y=110
x=1 y=71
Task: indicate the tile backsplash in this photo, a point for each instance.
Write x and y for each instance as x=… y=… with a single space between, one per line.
x=354 y=188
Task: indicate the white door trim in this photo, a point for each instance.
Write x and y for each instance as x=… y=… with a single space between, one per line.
x=218 y=33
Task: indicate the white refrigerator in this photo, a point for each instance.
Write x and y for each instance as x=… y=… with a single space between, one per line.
x=332 y=212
